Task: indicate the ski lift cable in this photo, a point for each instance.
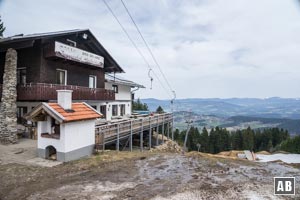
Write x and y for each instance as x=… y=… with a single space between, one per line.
x=146 y=44
x=135 y=46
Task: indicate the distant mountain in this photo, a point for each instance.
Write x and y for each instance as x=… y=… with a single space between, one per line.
x=234 y=113
x=292 y=125
x=274 y=107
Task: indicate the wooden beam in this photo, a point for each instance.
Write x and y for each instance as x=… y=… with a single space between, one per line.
x=141 y=136
x=130 y=141
x=103 y=141
x=168 y=131
x=163 y=129
x=16 y=45
x=118 y=137
x=150 y=132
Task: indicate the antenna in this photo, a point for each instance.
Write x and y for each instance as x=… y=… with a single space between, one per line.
x=151 y=78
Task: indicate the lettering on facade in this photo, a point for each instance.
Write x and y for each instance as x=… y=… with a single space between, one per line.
x=78 y=55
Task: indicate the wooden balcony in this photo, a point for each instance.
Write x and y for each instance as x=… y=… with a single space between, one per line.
x=45 y=92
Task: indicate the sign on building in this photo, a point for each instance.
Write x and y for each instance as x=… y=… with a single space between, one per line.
x=78 y=55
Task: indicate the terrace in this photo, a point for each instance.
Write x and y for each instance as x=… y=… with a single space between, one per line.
x=45 y=92
x=112 y=132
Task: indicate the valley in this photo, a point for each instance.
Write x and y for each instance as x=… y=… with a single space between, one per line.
x=234 y=113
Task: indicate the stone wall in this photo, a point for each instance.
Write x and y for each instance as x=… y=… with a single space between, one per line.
x=8 y=107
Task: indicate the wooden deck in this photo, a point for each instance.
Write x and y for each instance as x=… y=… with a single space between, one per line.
x=117 y=130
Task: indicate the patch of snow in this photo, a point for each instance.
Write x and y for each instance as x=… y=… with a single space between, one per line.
x=287 y=158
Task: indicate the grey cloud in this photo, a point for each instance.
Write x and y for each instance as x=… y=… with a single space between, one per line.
x=208 y=48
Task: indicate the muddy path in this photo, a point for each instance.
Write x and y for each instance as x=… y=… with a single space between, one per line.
x=144 y=176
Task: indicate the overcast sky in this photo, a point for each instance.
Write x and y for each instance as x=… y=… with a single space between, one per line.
x=206 y=48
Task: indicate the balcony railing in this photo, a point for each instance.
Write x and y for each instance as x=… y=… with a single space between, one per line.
x=44 y=92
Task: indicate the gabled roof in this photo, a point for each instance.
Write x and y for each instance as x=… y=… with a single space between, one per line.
x=22 y=37
x=80 y=111
x=30 y=38
x=118 y=80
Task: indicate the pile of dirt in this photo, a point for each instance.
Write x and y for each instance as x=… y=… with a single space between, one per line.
x=232 y=153
x=209 y=155
x=168 y=146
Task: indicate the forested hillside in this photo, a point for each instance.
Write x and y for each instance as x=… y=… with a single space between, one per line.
x=220 y=139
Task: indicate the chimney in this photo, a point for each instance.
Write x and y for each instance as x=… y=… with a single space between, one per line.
x=64 y=99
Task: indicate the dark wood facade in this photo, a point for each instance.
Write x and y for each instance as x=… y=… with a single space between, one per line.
x=41 y=69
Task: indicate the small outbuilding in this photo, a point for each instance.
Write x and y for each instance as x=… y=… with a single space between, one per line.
x=66 y=130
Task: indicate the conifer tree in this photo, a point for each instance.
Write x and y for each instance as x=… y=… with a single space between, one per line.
x=160 y=109
x=2 y=28
x=204 y=140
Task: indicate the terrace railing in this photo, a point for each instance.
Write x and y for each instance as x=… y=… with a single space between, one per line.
x=45 y=92
x=108 y=133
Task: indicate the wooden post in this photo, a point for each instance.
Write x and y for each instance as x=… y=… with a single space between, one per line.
x=150 y=133
x=118 y=137
x=172 y=127
x=157 y=131
x=168 y=131
x=103 y=141
x=163 y=130
x=130 y=141
x=141 y=136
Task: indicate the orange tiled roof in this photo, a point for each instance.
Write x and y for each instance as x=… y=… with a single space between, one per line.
x=81 y=112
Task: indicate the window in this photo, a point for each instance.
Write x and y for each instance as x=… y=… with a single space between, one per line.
x=115 y=88
x=114 y=110
x=61 y=77
x=95 y=107
x=122 y=109
x=21 y=111
x=21 y=76
x=92 y=81
x=55 y=127
x=103 y=111
x=55 y=130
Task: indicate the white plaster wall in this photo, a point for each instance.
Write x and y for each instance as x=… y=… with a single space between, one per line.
x=128 y=108
x=64 y=98
x=109 y=107
x=79 y=134
x=45 y=127
x=124 y=91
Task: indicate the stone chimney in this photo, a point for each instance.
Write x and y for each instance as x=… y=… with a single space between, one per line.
x=64 y=99
x=8 y=107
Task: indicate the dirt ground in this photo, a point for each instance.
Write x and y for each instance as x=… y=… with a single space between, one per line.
x=144 y=175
